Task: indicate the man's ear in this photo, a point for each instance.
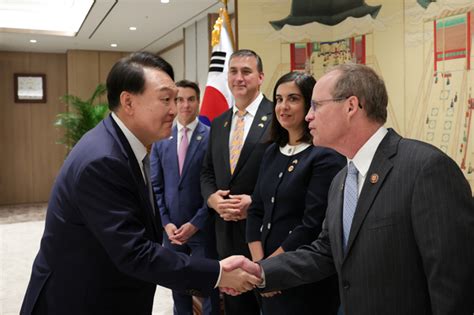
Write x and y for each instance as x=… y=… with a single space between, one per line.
x=126 y=101
x=353 y=104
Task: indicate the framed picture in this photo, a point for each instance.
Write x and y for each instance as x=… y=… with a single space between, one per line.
x=30 y=88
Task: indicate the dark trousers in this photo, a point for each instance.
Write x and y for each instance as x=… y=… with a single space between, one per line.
x=246 y=303
x=183 y=303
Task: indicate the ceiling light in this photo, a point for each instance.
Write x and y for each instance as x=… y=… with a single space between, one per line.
x=113 y=45
x=55 y=17
x=33 y=41
x=165 y=1
x=132 y=28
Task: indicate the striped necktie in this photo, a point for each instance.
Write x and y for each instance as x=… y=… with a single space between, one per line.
x=237 y=140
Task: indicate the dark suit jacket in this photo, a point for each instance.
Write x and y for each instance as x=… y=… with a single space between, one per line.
x=409 y=250
x=178 y=197
x=288 y=208
x=100 y=251
x=215 y=174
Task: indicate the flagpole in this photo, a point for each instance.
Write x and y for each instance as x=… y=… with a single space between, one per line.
x=224 y=15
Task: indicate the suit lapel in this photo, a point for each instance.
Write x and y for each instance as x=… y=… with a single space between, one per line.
x=194 y=144
x=338 y=202
x=172 y=152
x=257 y=130
x=381 y=166
x=132 y=160
x=224 y=135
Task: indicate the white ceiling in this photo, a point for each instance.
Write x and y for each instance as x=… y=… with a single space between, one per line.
x=158 y=26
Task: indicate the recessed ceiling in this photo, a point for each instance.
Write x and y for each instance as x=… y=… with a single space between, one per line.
x=158 y=25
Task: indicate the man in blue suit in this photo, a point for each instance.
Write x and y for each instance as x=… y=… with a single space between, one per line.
x=175 y=170
x=100 y=252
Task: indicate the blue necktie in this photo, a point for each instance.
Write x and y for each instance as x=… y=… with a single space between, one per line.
x=351 y=194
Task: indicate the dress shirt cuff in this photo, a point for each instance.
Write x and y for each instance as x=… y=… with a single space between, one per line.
x=220 y=274
x=262 y=276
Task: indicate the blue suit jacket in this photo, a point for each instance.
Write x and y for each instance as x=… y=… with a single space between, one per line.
x=178 y=197
x=100 y=252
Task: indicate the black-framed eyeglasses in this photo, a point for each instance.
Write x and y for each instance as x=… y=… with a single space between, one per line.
x=317 y=104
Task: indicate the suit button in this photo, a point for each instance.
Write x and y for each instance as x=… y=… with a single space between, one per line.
x=273 y=199
x=180 y=188
x=346 y=285
x=269 y=225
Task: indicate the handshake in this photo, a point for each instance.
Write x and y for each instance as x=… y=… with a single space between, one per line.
x=239 y=275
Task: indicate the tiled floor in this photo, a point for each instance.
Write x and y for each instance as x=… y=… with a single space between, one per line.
x=21 y=228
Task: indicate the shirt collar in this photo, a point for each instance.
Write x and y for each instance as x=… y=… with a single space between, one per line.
x=137 y=147
x=253 y=107
x=365 y=155
x=191 y=126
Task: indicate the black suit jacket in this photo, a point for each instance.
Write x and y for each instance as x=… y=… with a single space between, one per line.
x=215 y=174
x=410 y=246
x=100 y=252
x=288 y=208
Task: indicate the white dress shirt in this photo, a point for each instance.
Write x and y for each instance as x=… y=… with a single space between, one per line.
x=248 y=118
x=191 y=127
x=363 y=158
x=137 y=147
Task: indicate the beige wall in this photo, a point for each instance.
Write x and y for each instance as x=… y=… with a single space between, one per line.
x=400 y=48
x=30 y=158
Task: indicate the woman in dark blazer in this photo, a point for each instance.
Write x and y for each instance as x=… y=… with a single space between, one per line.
x=290 y=197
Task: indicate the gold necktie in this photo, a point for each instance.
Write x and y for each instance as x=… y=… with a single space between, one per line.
x=237 y=140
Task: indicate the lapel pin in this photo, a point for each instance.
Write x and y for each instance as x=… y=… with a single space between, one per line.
x=295 y=161
x=226 y=123
x=260 y=125
x=342 y=186
x=264 y=118
x=198 y=138
x=374 y=178
x=291 y=168
x=171 y=137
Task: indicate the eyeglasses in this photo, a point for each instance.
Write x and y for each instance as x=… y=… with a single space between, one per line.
x=317 y=104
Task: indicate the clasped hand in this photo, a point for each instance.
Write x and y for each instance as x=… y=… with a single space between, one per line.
x=239 y=275
x=230 y=207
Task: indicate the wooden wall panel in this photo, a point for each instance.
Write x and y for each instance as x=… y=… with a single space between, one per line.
x=47 y=155
x=82 y=72
x=30 y=158
x=106 y=61
x=15 y=178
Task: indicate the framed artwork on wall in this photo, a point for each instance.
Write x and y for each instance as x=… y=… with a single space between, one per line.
x=30 y=88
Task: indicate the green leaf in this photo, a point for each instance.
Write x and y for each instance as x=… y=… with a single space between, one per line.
x=82 y=115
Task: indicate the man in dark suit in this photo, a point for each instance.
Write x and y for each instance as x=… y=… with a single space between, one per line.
x=399 y=224
x=100 y=252
x=175 y=169
x=236 y=146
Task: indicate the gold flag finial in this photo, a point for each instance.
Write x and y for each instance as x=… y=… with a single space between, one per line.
x=216 y=31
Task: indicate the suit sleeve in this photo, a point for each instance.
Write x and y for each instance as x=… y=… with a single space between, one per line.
x=443 y=224
x=208 y=177
x=200 y=218
x=307 y=264
x=107 y=199
x=326 y=164
x=157 y=181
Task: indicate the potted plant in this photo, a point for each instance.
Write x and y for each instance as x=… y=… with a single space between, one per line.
x=83 y=116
